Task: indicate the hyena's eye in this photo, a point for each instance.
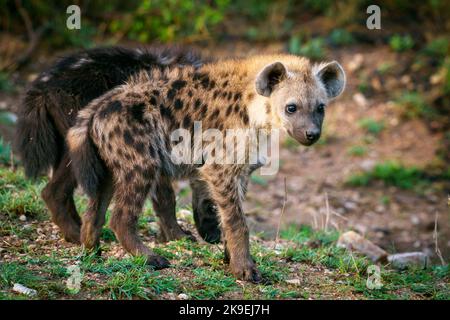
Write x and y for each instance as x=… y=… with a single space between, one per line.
x=321 y=108
x=291 y=108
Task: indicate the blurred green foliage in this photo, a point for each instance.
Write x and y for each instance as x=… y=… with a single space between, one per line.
x=313 y=48
x=168 y=20
x=400 y=43
x=413 y=105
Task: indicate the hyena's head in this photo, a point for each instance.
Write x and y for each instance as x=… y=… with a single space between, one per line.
x=300 y=95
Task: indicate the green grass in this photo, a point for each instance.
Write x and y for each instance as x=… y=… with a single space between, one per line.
x=291 y=144
x=392 y=174
x=5 y=152
x=18 y=195
x=314 y=48
x=371 y=126
x=437 y=48
x=197 y=269
x=341 y=37
x=385 y=67
x=357 y=151
x=5 y=84
x=412 y=105
x=399 y=43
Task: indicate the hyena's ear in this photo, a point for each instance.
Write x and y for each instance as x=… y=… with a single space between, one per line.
x=269 y=77
x=333 y=78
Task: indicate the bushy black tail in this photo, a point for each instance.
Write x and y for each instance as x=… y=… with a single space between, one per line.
x=36 y=140
x=87 y=166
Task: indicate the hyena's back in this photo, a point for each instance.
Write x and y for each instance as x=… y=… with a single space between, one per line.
x=53 y=100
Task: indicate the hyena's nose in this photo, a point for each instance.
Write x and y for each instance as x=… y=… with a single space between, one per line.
x=312 y=135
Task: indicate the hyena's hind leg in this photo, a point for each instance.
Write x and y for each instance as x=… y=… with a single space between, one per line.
x=164 y=204
x=58 y=196
x=94 y=218
x=129 y=197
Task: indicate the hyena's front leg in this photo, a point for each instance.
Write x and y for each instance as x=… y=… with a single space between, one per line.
x=163 y=199
x=129 y=197
x=226 y=193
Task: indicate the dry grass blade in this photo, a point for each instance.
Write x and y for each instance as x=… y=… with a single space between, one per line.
x=282 y=212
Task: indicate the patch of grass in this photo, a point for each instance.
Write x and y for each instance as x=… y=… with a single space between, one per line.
x=357 y=151
x=46 y=286
x=371 y=126
x=5 y=84
x=211 y=284
x=413 y=105
x=291 y=144
x=5 y=152
x=399 y=43
x=385 y=67
x=391 y=173
x=18 y=195
x=431 y=283
x=363 y=83
x=437 y=48
x=313 y=49
x=318 y=248
x=341 y=37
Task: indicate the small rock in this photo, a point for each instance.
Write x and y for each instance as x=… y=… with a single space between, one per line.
x=360 y=100
x=356 y=62
x=402 y=261
x=23 y=218
x=183 y=296
x=293 y=281
x=355 y=242
x=350 y=205
x=171 y=296
x=24 y=290
x=368 y=164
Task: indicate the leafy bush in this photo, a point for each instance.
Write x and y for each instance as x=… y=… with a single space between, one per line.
x=341 y=37
x=400 y=43
x=170 y=20
x=437 y=48
x=313 y=48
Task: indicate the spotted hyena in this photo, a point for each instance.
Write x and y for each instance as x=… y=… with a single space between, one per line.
x=50 y=107
x=121 y=143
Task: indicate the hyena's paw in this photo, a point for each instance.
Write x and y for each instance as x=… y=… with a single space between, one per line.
x=157 y=262
x=175 y=235
x=72 y=236
x=246 y=270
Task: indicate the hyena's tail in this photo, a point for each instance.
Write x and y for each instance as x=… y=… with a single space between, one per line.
x=37 y=140
x=87 y=166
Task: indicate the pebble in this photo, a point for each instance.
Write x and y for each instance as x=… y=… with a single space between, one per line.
x=293 y=281
x=360 y=100
x=355 y=242
x=183 y=296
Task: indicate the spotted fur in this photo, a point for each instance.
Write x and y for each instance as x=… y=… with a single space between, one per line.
x=128 y=132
